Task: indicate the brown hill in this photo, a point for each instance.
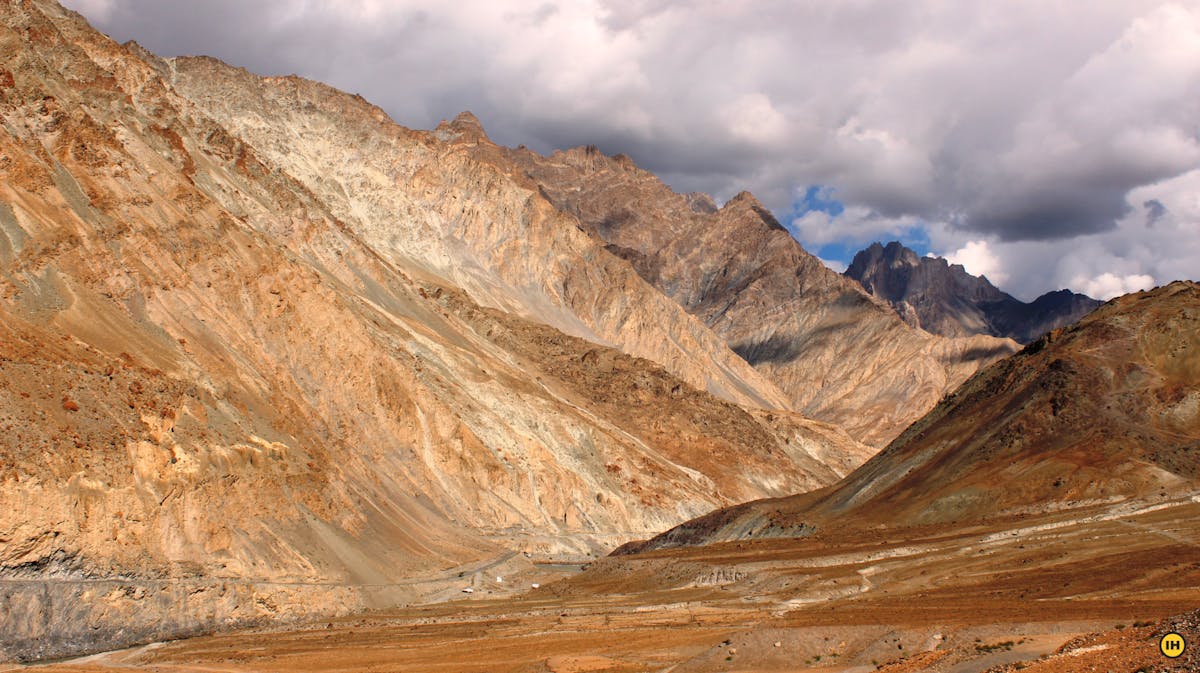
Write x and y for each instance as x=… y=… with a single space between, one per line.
x=1102 y=412
x=839 y=354
x=231 y=392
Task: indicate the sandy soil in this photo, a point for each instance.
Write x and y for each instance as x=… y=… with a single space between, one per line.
x=1092 y=590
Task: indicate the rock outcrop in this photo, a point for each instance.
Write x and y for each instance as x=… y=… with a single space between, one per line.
x=265 y=354
x=839 y=354
x=939 y=297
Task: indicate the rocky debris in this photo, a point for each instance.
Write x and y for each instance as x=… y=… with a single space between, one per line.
x=1126 y=648
x=942 y=298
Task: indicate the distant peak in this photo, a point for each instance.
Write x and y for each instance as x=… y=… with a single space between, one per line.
x=624 y=160
x=744 y=198
x=747 y=201
x=467 y=118
x=892 y=254
x=466 y=126
x=897 y=251
x=147 y=56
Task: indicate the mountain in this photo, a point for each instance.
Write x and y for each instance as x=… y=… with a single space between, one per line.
x=266 y=354
x=931 y=293
x=1105 y=411
x=445 y=205
x=839 y=354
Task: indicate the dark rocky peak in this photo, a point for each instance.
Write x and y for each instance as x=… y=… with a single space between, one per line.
x=896 y=253
x=592 y=159
x=945 y=299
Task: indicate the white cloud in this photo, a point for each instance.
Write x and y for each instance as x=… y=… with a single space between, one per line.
x=979 y=260
x=1155 y=242
x=835 y=265
x=753 y=118
x=1036 y=127
x=1109 y=285
x=857 y=224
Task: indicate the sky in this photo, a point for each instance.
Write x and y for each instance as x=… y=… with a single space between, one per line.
x=1044 y=144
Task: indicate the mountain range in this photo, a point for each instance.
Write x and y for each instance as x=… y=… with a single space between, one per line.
x=267 y=355
x=1104 y=411
x=837 y=353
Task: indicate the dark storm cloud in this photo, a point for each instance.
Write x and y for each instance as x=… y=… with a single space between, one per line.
x=977 y=121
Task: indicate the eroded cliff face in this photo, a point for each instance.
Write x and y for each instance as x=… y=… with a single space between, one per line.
x=839 y=354
x=238 y=379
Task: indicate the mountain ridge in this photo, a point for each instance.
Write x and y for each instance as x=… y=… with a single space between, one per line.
x=943 y=298
x=739 y=271
x=1104 y=411
x=231 y=394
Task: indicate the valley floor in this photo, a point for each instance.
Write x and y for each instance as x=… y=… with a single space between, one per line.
x=1087 y=589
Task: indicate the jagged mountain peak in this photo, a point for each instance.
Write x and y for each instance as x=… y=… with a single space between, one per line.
x=892 y=255
x=744 y=202
x=943 y=298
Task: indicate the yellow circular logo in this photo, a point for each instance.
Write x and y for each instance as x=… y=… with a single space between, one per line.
x=1172 y=645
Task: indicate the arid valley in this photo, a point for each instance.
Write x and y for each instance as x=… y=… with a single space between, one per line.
x=286 y=385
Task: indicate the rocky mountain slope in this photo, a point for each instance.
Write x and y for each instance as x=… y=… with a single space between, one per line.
x=445 y=205
x=931 y=293
x=241 y=379
x=1105 y=411
x=839 y=354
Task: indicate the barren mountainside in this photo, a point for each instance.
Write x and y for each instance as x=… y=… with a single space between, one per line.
x=442 y=205
x=285 y=385
x=1102 y=412
x=943 y=298
x=242 y=379
x=839 y=354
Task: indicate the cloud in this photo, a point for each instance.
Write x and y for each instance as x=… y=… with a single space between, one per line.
x=1108 y=285
x=834 y=264
x=858 y=224
x=1015 y=124
x=1155 y=242
x=96 y=10
x=979 y=260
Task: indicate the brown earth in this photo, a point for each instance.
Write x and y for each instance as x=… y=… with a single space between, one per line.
x=252 y=372
x=1092 y=591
